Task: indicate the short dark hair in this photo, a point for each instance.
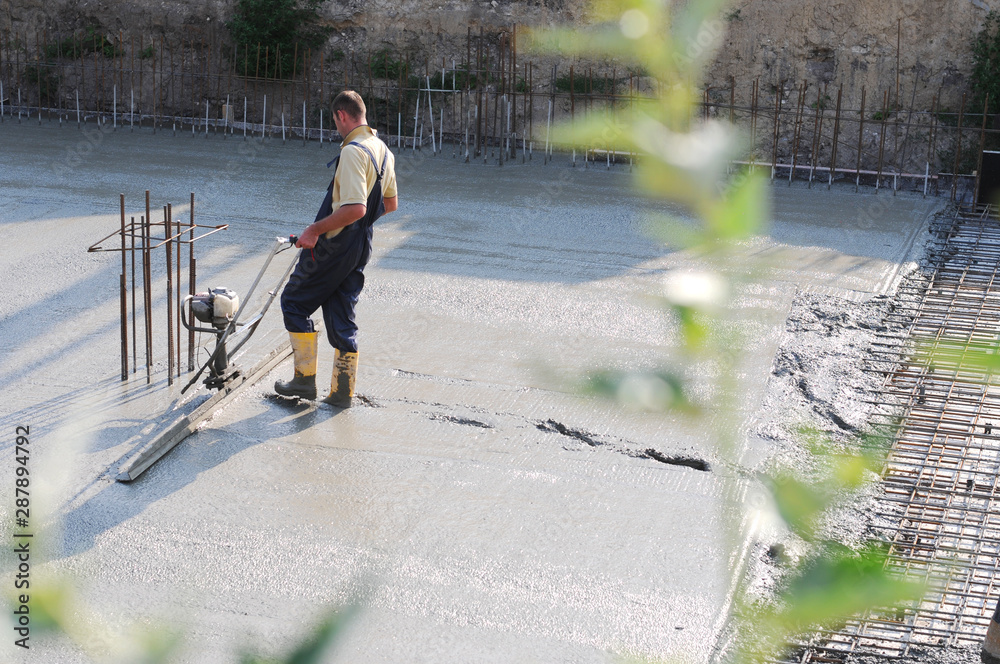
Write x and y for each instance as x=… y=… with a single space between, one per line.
x=351 y=103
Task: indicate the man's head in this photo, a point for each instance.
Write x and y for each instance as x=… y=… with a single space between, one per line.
x=348 y=111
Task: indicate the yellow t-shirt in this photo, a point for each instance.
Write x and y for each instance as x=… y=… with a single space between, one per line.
x=356 y=174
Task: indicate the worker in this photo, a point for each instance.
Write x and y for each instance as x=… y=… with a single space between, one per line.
x=335 y=249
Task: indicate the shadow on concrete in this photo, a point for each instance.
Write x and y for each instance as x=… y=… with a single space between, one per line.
x=520 y=222
x=117 y=502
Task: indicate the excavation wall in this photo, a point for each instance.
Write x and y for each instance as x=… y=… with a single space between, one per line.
x=916 y=50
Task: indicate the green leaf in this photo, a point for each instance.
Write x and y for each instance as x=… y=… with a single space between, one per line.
x=608 y=129
x=323 y=636
x=653 y=391
x=799 y=503
x=975 y=356
x=744 y=211
x=591 y=43
x=837 y=585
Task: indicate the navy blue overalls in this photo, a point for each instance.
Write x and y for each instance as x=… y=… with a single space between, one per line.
x=331 y=275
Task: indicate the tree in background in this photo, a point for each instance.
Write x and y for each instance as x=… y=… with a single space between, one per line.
x=985 y=78
x=281 y=30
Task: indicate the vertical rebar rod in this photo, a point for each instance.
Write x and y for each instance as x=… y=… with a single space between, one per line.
x=147 y=289
x=159 y=86
x=777 y=119
x=322 y=90
x=814 y=154
x=797 y=131
x=135 y=340
x=99 y=64
x=732 y=96
x=486 y=123
x=881 y=143
x=167 y=224
x=896 y=105
x=512 y=112
x=416 y=120
x=531 y=105
x=572 y=104
x=430 y=116
x=836 y=138
x=123 y=293
x=142 y=69
x=861 y=134
x=958 y=150
x=479 y=93
x=933 y=131
x=901 y=158
x=191 y=282
x=43 y=50
x=177 y=319
x=256 y=74
x=495 y=132
x=982 y=146
x=753 y=124
x=229 y=85
x=194 y=102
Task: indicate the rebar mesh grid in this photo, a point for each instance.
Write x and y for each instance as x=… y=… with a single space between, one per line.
x=941 y=475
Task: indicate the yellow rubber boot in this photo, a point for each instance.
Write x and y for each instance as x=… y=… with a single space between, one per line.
x=345 y=372
x=303 y=385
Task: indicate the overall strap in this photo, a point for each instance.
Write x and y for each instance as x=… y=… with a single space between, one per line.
x=379 y=172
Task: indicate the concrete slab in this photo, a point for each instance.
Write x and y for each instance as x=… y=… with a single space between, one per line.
x=450 y=508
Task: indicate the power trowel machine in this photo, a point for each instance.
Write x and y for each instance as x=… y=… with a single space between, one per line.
x=220 y=307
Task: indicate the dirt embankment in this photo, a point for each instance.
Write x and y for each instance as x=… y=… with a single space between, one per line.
x=781 y=42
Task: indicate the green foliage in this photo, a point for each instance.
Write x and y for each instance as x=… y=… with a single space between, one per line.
x=985 y=78
x=281 y=30
x=653 y=391
x=582 y=83
x=684 y=160
x=822 y=103
x=832 y=581
x=80 y=44
x=458 y=78
x=461 y=77
x=383 y=65
x=55 y=608
x=948 y=117
x=45 y=79
x=314 y=646
x=146 y=53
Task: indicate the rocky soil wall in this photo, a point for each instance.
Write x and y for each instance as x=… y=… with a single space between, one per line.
x=782 y=42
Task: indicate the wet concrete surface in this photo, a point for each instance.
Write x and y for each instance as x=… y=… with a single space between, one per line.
x=471 y=505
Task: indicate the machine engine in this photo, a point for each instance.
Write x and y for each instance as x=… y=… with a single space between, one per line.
x=218 y=306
